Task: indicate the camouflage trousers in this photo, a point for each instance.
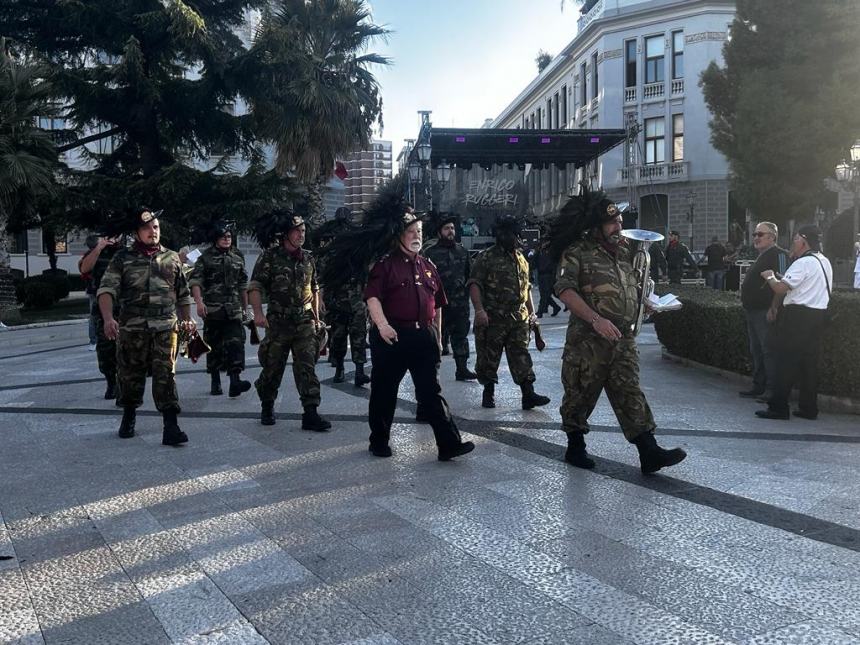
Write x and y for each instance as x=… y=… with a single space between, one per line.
x=509 y=335
x=351 y=325
x=105 y=349
x=455 y=328
x=147 y=352
x=227 y=340
x=591 y=364
x=282 y=337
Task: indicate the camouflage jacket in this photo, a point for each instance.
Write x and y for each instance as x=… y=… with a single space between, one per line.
x=148 y=289
x=606 y=283
x=504 y=282
x=222 y=278
x=290 y=284
x=454 y=267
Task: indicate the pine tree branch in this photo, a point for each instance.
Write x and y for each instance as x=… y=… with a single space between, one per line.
x=98 y=136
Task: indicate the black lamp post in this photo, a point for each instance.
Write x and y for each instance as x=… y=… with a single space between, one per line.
x=691 y=213
x=419 y=167
x=848 y=174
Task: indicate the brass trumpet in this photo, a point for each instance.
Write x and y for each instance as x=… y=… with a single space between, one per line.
x=642 y=268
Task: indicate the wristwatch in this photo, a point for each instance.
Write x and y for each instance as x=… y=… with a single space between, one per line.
x=594 y=319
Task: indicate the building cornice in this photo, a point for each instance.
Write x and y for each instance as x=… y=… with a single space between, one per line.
x=599 y=27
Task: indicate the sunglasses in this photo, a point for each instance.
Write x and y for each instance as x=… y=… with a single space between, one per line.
x=761 y=233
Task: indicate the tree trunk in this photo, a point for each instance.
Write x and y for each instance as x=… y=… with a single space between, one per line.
x=50 y=246
x=316 y=206
x=9 y=311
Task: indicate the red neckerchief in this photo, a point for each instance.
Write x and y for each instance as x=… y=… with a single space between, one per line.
x=145 y=249
x=673 y=243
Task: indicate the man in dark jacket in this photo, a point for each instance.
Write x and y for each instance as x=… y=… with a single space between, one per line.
x=760 y=307
x=676 y=254
x=546 y=280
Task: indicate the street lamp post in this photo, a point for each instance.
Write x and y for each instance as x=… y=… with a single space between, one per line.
x=691 y=213
x=420 y=167
x=848 y=174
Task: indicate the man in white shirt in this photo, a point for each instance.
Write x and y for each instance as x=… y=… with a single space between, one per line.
x=806 y=287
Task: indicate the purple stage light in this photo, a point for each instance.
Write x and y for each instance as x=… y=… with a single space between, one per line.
x=545 y=139
x=595 y=139
x=513 y=139
x=460 y=139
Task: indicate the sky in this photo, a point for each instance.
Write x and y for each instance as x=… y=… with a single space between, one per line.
x=463 y=59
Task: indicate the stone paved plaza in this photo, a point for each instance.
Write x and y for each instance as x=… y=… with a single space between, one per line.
x=253 y=534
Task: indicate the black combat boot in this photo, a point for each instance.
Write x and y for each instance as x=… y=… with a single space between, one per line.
x=488 y=400
x=126 y=428
x=311 y=420
x=463 y=372
x=237 y=385
x=530 y=398
x=110 y=390
x=216 y=390
x=652 y=457
x=338 y=371
x=172 y=436
x=267 y=413
x=576 y=455
x=360 y=377
x=555 y=309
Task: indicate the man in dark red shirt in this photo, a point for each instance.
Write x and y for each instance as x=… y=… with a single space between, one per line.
x=404 y=297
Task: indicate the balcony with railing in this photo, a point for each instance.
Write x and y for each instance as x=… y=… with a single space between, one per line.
x=678 y=87
x=581 y=112
x=595 y=102
x=653 y=91
x=590 y=11
x=629 y=94
x=655 y=172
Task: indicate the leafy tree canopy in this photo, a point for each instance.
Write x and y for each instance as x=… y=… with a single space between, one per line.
x=785 y=103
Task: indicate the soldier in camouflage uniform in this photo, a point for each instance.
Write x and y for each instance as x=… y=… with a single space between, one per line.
x=453 y=264
x=149 y=285
x=286 y=274
x=219 y=286
x=345 y=310
x=596 y=280
x=95 y=263
x=501 y=294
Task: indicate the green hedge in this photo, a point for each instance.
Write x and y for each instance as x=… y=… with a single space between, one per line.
x=711 y=329
x=35 y=293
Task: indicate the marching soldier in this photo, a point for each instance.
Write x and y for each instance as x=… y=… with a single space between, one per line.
x=345 y=310
x=95 y=263
x=219 y=286
x=286 y=274
x=453 y=264
x=596 y=281
x=149 y=285
x=501 y=294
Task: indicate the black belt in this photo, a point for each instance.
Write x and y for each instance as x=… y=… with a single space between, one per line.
x=401 y=324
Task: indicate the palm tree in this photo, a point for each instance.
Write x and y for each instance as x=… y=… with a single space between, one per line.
x=27 y=157
x=330 y=101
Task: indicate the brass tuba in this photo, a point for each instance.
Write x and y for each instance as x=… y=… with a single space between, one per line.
x=642 y=268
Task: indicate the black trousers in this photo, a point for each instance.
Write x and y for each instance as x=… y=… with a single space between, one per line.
x=545 y=285
x=797 y=345
x=417 y=352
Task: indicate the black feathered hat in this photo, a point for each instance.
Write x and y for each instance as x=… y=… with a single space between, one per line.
x=510 y=223
x=354 y=249
x=270 y=227
x=581 y=214
x=211 y=230
x=132 y=219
